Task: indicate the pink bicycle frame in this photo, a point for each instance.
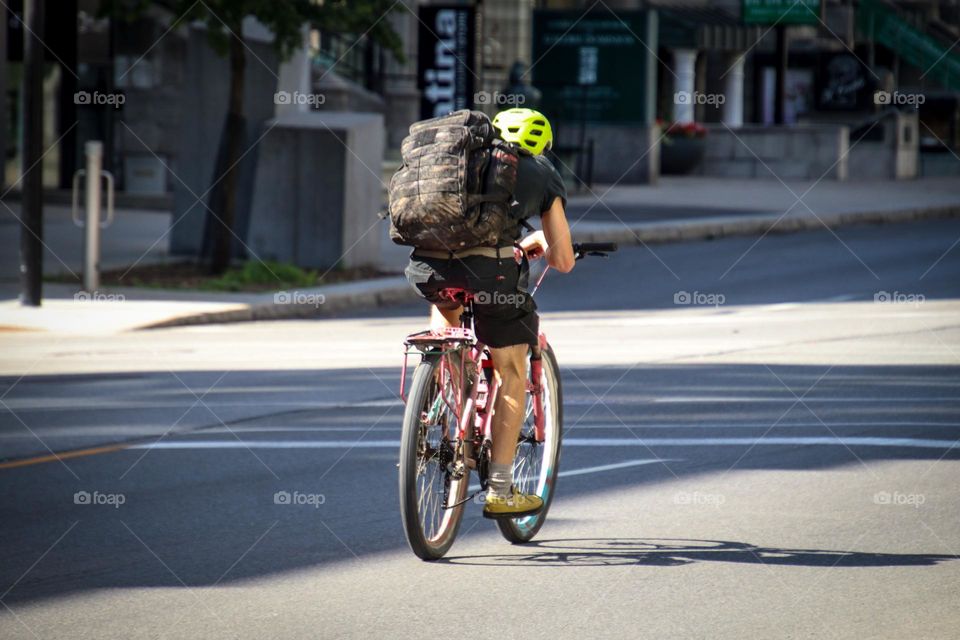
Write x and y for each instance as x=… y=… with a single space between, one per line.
x=481 y=395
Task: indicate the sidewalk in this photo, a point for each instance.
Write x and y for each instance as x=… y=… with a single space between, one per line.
x=685 y=208
x=678 y=209
x=136 y=234
x=65 y=310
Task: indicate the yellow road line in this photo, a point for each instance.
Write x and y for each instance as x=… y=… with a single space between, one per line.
x=76 y=453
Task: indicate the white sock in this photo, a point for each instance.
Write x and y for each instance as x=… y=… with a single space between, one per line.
x=501 y=477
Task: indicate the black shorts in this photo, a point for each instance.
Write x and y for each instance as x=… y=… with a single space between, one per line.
x=504 y=311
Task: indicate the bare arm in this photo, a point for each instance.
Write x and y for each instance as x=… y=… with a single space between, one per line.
x=554 y=240
x=557 y=232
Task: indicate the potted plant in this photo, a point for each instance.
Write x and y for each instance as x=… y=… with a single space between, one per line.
x=683 y=145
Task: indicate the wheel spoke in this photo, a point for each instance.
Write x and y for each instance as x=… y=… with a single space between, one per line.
x=535 y=459
x=433 y=483
x=436 y=465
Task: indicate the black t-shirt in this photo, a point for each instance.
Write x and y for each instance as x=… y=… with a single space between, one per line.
x=538 y=183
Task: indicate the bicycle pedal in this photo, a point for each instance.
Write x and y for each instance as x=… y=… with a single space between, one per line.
x=511 y=516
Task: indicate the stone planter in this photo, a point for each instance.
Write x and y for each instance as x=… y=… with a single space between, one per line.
x=680 y=154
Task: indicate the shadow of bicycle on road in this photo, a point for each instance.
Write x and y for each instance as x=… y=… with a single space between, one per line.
x=669 y=552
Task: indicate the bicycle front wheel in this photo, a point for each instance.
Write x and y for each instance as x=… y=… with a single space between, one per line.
x=537 y=463
x=433 y=477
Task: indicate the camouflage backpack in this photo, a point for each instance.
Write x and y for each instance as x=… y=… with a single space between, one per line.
x=454 y=188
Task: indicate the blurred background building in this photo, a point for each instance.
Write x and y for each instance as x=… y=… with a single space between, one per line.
x=843 y=88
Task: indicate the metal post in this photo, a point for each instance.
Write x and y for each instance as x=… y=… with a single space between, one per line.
x=4 y=77
x=91 y=257
x=31 y=216
x=782 y=57
x=91 y=222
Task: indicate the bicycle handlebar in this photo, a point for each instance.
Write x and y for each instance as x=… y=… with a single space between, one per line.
x=582 y=250
x=594 y=248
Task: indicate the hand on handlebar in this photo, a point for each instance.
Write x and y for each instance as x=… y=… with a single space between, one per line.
x=584 y=249
x=534 y=245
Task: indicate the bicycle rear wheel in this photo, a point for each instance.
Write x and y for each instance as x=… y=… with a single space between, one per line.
x=537 y=464
x=433 y=477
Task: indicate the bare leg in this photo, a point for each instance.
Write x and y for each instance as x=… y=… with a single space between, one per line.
x=440 y=318
x=510 y=363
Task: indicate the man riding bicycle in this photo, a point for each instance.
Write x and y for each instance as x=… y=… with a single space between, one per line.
x=505 y=316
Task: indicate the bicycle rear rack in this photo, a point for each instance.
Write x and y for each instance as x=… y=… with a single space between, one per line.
x=436 y=342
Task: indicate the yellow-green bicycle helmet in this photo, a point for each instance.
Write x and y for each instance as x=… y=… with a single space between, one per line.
x=526 y=127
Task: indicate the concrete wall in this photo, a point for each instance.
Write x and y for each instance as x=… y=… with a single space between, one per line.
x=894 y=157
x=806 y=152
x=341 y=94
x=623 y=154
x=154 y=86
x=317 y=190
x=403 y=109
x=809 y=152
x=401 y=95
x=938 y=164
x=202 y=107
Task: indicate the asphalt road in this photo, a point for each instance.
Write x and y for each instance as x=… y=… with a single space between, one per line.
x=650 y=212
x=769 y=455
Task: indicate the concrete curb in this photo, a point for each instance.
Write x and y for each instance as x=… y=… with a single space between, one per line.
x=335 y=299
x=394 y=290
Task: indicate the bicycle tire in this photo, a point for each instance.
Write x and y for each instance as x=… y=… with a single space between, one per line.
x=520 y=530
x=423 y=389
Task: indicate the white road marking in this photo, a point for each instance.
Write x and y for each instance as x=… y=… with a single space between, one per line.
x=862 y=441
x=600 y=468
x=99 y=432
x=612 y=425
x=616 y=465
x=845 y=297
x=75 y=404
x=270 y=444
x=73 y=431
x=783 y=400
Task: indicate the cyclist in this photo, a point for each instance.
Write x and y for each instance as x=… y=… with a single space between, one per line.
x=505 y=314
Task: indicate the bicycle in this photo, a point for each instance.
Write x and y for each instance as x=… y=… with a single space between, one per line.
x=447 y=428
